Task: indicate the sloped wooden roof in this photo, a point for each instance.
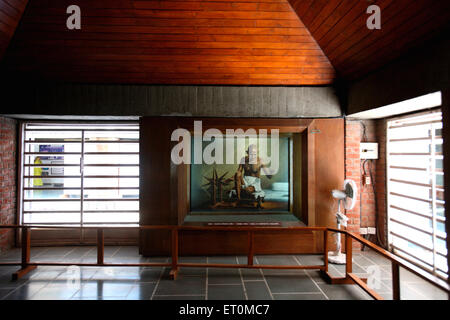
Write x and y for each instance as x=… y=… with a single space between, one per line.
x=10 y=13
x=339 y=27
x=227 y=42
x=239 y=42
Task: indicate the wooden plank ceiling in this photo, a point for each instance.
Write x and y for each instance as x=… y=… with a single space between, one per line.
x=236 y=42
x=10 y=13
x=339 y=27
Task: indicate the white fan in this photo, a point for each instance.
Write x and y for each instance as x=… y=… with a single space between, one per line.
x=348 y=198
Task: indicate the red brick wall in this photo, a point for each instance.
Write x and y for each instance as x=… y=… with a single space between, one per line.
x=368 y=202
x=8 y=165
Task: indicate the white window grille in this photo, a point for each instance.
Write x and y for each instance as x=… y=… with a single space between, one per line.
x=80 y=174
x=415 y=175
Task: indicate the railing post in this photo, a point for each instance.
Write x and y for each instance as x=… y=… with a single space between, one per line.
x=26 y=239
x=325 y=249
x=174 y=271
x=348 y=254
x=26 y=252
x=395 y=281
x=251 y=249
x=100 y=246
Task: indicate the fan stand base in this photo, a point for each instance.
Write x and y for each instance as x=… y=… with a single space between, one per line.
x=338 y=258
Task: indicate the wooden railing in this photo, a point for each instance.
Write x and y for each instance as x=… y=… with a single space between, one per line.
x=350 y=277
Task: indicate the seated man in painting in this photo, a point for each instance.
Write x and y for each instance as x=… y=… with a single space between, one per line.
x=247 y=179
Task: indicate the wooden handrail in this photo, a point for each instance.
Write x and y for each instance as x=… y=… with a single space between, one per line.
x=403 y=263
x=397 y=262
x=170 y=227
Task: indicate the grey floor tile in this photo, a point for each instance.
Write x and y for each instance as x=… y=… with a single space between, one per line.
x=226 y=292
x=193 y=297
x=275 y=272
x=310 y=259
x=257 y=290
x=25 y=292
x=150 y=275
x=315 y=275
x=62 y=292
x=53 y=282
x=104 y=289
x=75 y=273
x=191 y=285
x=355 y=268
x=251 y=274
x=360 y=259
x=157 y=259
x=222 y=259
x=224 y=276
x=45 y=275
x=142 y=291
x=290 y=283
x=299 y=296
x=377 y=258
x=276 y=260
x=426 y=291
x=192 y=259
x=343 y=292
x=115 y=273
x=408 y=293
x=386 y=295
x=189 y=271
x=5 y=291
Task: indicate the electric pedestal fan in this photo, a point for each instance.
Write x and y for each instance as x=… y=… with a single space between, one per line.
x=348 y=198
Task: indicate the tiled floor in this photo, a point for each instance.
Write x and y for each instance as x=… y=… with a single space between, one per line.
x=131 y=283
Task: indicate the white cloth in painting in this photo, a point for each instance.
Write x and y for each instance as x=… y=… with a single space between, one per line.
x=255 y=182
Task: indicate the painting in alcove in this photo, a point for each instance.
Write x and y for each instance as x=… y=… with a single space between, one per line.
x=252 y=183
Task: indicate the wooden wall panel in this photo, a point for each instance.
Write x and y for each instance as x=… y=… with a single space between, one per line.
x=170 y=42
x=329 y=169
x=10 y=13
x=339 y=27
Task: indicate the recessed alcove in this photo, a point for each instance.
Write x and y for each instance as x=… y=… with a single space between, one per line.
x=316 y=166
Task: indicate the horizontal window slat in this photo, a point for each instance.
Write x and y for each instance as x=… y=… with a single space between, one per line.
x=411 y=226
x=410 y=254
x=77 y=223
x=408 y=168
x=79 y=130
x=78 y=141
x=114 y=177
x=412 y=212
x=78 y=211
x=79 y=188
x=111 y=141
x=52 y=153
x=36 y=141
x=414 y=124
x=409 y=154
x=112 y=153
x=409 y=197
x=110 y=165
x=50 y=212
x=411 y=183
x=410 y=139
x=411 y=241
x=52 y=177
x=52 y=165
x=78 y=199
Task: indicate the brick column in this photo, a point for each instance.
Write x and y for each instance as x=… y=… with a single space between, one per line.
x=8 y=166
x=364 y=213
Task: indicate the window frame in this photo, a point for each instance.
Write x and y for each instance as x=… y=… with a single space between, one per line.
x=75 y=126
x=433 y=217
